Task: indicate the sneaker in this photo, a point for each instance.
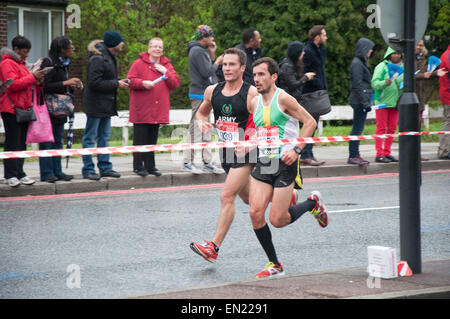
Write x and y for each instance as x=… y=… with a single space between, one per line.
x=141 y=172
x=190 y=168
x=358 y=161
x=206 y=250
x=271 y=269
x=27 y=181
x=13 y=182
x=319 y=211
x=110 y=173
x=211 y=168
x=392 y=158
x=294 y=198
x=382 y=159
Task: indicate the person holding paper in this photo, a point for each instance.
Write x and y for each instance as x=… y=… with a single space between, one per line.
x=387 y=91
x=152 y=77
x=17 y=96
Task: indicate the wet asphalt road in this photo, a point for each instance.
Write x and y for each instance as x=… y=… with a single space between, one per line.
x=132 y=244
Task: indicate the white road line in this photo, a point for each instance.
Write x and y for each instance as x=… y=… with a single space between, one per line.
x=362 y=209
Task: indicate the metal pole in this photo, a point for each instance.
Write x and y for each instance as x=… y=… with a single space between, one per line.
x=409 y=147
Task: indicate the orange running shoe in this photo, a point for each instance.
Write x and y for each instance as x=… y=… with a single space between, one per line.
x=206 y=250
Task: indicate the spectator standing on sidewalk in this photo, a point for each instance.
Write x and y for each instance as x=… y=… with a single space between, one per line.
x=99 y=101
x=314 y=61
x=251 y=45
x=387 y=91
x=421 y=78
x=360 y=96
x=444 y=91
x=202 y=67
x=57 y=82
x=291 y=77
x=149 y=102
x=18 y=95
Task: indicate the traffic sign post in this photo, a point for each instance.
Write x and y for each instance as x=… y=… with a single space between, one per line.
x=399 y=29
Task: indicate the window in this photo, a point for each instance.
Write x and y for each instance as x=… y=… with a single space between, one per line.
x=39 y=25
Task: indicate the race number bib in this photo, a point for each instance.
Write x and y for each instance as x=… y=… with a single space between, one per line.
x=228 y=131
x=268 y=133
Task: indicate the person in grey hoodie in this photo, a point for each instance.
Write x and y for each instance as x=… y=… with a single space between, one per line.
x=202 y=67
x=360 y=95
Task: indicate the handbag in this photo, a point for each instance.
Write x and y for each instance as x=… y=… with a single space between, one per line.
x=22 y=115
x=41 y=130
x=60 y=105
x=317 y=103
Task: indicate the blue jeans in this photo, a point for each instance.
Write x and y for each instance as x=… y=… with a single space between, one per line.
x=51 y=166
x=359 y=120
x=98 y=129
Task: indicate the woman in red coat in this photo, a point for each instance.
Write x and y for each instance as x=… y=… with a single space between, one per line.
x=150 y=102
x=19 y=95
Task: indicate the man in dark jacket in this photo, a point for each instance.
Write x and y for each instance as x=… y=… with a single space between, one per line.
x=251 y=45
x=202 y=67
x=314 y=61
x=360 y=95
x=99 y=101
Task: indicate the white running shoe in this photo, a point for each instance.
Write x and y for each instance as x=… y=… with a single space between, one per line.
x=190 y=168
x=27 y=181
x=13 y=182
x=211 y=168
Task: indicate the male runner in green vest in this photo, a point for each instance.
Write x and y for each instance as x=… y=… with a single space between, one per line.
x=276 y=115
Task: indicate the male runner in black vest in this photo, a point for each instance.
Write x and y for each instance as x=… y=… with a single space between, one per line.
x=230 y=101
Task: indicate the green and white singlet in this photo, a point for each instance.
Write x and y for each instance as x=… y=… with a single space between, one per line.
x=272 y=123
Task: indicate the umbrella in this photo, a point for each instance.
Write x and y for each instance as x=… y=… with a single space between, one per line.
x=433 y=63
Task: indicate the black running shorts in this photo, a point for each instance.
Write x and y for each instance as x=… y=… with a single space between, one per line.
x=275 y=172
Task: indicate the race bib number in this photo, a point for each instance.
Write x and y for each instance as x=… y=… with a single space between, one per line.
x=228 y=131
x=268 y=133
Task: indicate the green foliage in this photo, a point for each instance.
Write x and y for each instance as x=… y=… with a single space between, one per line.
x=279 y=23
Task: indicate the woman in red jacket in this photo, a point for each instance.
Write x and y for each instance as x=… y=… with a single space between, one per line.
x=19 y=95
x=150 y=102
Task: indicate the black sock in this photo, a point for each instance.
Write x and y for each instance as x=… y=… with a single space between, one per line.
x=265 y=239
x=299 y=209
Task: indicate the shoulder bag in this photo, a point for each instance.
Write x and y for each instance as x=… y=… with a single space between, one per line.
x=317 y=103
x=22 y=115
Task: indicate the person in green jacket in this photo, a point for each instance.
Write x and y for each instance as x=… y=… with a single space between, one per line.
x=388 y=92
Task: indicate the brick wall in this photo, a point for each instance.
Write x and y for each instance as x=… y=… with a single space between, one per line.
x=3 y=24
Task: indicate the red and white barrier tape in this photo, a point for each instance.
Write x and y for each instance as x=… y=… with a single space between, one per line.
x=199 y=146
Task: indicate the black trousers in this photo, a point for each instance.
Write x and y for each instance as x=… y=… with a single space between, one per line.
x=144 y=134
x=15 y=137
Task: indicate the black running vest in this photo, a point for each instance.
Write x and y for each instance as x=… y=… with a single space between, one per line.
x=231 y=108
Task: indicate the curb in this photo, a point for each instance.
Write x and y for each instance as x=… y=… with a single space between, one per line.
x=129 y=180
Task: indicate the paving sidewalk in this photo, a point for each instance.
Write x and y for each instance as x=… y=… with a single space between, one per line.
x=170 y=166
x=432 y=282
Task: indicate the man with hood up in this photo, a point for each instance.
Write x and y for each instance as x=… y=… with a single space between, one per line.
x=99 y=101
x=360 y=95
x=387 y=91
x=202 y=67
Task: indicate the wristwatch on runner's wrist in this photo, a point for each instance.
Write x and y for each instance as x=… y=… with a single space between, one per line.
x=297 y=149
